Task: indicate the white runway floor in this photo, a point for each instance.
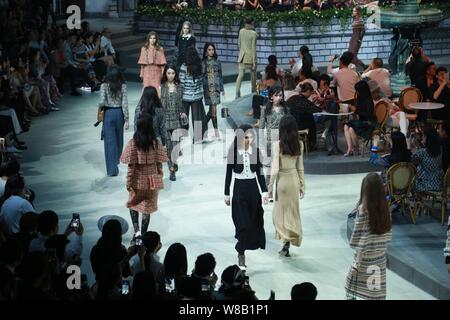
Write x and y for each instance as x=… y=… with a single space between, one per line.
x=65 y=166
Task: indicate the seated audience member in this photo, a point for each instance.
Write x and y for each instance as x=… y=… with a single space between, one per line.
x=28 y=230
x=36 y=279
x=399 y=152
x=444 y=135
x=175 y=265
x=109 y=282
x=13 y=205
x=365 y=123
x=201 y=283
x=428 y=161
x=152 y=244
x=11 y=254
x=381 y=75
x=441 y=94
x=305 y=291
x=144 y=286
x=302 y=109
x=397 y=118
x=345 y=78
x=109 y=249
x=306 y=76
x=107 y=47
x=234 y=286
x=271 y=82
x=9 y=167
x=289 y=87
x=273 y=62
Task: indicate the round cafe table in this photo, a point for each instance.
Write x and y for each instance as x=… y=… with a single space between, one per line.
x=426 y=106
x=334 y=128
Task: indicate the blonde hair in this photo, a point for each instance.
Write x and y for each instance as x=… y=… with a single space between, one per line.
x=147 y=42
x=189 y=24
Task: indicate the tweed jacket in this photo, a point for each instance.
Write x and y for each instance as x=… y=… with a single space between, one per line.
x=172 y=111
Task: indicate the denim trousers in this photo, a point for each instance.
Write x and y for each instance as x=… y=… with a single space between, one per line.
x=113 y=124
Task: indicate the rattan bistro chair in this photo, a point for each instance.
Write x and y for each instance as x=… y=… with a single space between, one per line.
x=442 y=196
x=400 y=181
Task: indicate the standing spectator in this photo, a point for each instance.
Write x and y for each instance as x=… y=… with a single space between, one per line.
x=244 y=159
x=376 y=72
x=152 y=61
x=212 y=84
x=113 y=95
x=144 y=156
x=172 y=103
x=287 y=175
x=370 y=238
x=192 y=82
x=247 y=54
x=13 y=205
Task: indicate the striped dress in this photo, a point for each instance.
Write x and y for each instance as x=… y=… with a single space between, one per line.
x=370 y=261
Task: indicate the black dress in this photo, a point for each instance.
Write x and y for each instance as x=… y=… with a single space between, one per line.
x=366 y=122
x=183 y=44
x=246 y=207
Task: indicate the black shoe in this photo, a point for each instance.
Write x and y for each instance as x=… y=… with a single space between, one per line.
x=172 y=176
x=20 y=147
x=76 y=94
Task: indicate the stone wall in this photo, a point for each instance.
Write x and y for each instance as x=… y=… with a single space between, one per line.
x=322 y=41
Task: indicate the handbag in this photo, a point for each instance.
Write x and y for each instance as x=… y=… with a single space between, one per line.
x=225 y=112
x=100 y=115
x=156 y=180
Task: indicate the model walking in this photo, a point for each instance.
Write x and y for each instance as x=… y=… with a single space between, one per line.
x=113 y=95
x=185 y=41
x=370 y=238
x=152 y=61
x=192 y=81
x=358 y=31
x=244 y=160
x=212 y=84
x=287 y=175
x=144 y=155
x=172 y=102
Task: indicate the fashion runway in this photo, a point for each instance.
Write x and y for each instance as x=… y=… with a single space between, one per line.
x=65 y=167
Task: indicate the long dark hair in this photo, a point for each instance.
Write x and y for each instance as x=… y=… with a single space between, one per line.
x=363 y=92
x=432 y=143
x=373 y=198
x=175 y=261
x=150 y=101
x=115 y=80
x=193 y=62
x=168 y=66
x=289 y=141
x=145 y=137
x=270 y=72
x=269 y=106
x=205 y=51
x=111 y=238
x=399 y=148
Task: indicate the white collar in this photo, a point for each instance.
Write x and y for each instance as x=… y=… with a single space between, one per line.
x=187 y=36
x=249 y=151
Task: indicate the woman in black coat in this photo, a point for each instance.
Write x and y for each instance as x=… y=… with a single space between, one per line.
x=185 y=40
x=244 y=159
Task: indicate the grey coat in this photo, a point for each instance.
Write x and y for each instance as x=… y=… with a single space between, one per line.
x=212 y=81
x=172 y=111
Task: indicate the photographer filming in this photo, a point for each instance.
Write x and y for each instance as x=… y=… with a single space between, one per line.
x=234 y=286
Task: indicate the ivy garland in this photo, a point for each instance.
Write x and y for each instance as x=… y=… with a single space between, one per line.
x=295 y=18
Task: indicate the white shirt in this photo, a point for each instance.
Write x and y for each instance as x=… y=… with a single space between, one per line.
x=106 y=44
x=74 y=247
x=246 y=173
x=382 y=77
x=345 y=79
x=12 y=210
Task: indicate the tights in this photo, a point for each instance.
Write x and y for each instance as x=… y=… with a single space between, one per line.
x=135 y=220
